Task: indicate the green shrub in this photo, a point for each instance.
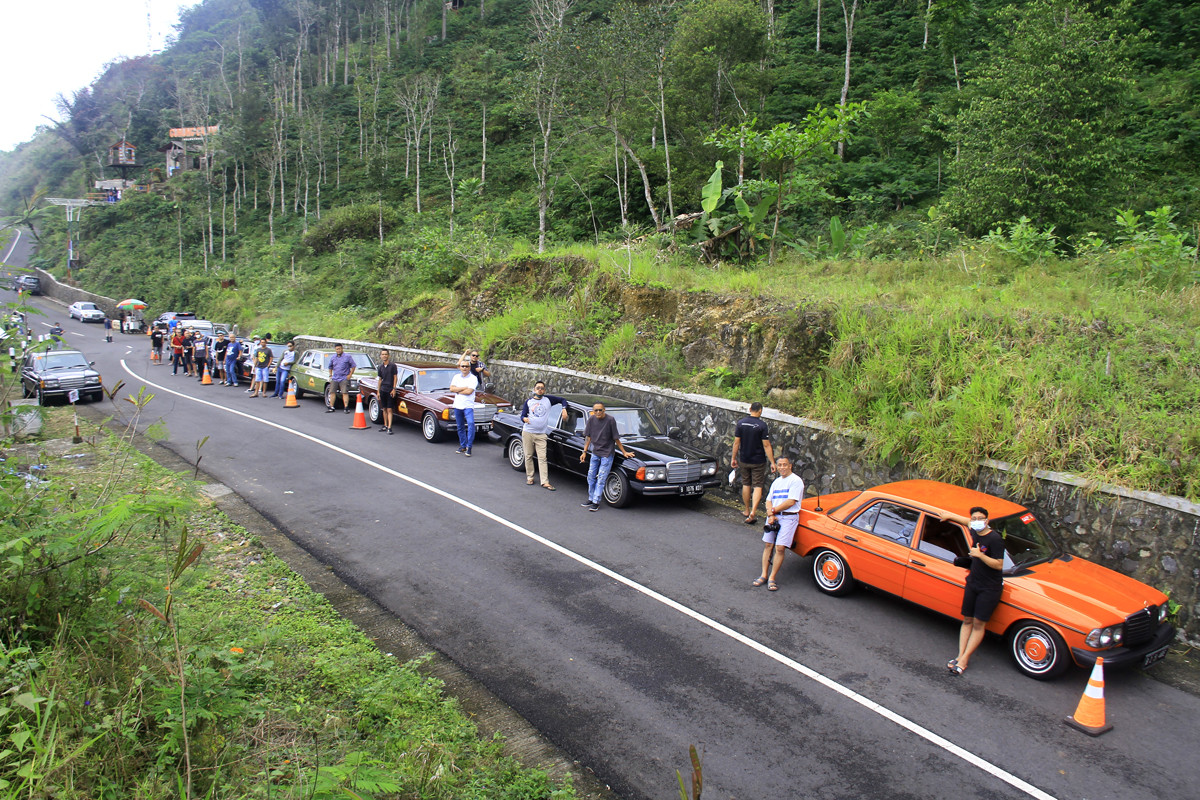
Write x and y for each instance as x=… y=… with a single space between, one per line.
x=358 y=221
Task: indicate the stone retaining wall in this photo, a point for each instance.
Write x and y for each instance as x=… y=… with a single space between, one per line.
x=69 y=294
x=1154 y=538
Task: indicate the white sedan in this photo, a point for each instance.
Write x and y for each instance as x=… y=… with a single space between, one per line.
x=85 y=312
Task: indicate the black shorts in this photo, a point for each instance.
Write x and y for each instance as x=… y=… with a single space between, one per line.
x=980 y=603
x=753 y=475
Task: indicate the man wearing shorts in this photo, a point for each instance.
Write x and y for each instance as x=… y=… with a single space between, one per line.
x=260 y=361
x=752 y=457
x=783 y=507
x=341 y=367
x=982 y=593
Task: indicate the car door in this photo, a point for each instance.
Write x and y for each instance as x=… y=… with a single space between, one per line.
x=564 y=445
x=406 y=404
x=879 y=537
x=308 y=380
x=932 y=580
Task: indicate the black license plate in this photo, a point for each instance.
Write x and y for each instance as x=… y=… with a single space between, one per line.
x=1155 y=656
x=692 y=488
x=485 y=426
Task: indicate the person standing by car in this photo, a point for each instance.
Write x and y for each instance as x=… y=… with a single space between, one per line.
x=477 y=367
x=463 y=386
x=232 y=353
x=602 y=436
x=219 y=348
x=189 y=351
x=260 y=361
x=981 y=594
x=200 y=354
x=341 y=369
x=387 y=388
x=108 y=329
x=284 y=369
x=752 y=457
x=156 y=339
x=783 y=509
x=535 y=416
x=176 y=351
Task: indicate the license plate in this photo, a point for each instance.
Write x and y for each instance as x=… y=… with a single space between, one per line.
x=486 y=426
x=1155 y=656
x=692 y=488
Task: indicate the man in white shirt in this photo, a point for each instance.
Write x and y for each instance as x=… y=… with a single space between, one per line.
x=463 y=386
x=783 y=507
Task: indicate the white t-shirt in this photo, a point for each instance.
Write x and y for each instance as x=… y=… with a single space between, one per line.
x=791 y=487
x=461 y=381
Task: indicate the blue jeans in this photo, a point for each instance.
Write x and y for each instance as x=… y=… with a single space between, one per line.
x=231 y=370
x=281 y=379
x=464 y=419
x=598 y=469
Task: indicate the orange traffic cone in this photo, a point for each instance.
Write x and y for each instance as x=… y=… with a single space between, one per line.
x=1089 y=716
x=205 y=378
x=290 y=400
x=360 y=418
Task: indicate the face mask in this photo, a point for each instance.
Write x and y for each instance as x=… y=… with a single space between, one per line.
x=978 y=524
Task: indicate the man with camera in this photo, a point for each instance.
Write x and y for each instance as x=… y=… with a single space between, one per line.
x=783 y=509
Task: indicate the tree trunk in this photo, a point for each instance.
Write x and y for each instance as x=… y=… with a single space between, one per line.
x=819 y=25
x=848 y=17
x=483 y=138
x=646 y=188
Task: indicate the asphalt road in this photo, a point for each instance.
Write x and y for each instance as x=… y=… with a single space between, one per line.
x=627 y=635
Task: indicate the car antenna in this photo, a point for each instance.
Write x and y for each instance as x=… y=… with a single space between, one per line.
x=818 y=481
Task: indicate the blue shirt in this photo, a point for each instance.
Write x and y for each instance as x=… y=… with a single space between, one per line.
x=340 y=366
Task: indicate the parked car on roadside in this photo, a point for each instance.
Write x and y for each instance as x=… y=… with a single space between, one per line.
x=312 y=375
x=48 y=374
x=85 y=312
x=662 y=465
x=1055 y=609
x=246 y=365
x=31 y=284
x=167 y=316
x=202 y=326
x=424 y=399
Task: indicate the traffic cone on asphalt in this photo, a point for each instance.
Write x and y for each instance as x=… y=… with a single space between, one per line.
x=290 y=400
x=205 y=378
x=1089 y=715
x=360 y=418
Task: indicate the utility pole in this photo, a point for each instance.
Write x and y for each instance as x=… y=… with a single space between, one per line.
x=74 y=209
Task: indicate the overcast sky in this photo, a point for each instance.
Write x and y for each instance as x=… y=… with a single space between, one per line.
x=54 y=47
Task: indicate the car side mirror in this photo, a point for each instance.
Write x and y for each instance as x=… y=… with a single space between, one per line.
x=91 y=363
x=674 y=432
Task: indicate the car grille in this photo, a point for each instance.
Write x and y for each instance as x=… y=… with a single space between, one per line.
x=683 y=471
x=1139 y=627
x=484 y=413
x=72 y=383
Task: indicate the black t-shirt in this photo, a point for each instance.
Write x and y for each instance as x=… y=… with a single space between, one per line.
x=981 y=575
x=156 y=339
x=219 y=348
x=753 y=432
x=387 y=377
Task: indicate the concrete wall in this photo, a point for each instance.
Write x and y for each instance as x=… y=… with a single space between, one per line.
x=70 y=294
x=1154 y=538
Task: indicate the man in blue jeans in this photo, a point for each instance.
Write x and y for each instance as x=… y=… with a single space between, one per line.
x=284 y=369
x=232 y=353
x=601 y=435
x=463 y=386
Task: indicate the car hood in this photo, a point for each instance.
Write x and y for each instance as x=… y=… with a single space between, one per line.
x=663 y=448
x=1101 y=594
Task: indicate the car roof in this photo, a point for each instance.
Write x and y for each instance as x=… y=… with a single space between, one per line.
x=58 y=353
x=948 y=497
x=592 y=399
x=426 y=364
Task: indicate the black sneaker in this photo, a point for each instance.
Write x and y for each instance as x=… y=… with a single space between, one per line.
x=586 y=504
x=594 y=507
x=345 y=410
x=331 y=411
x=460 y=451
x=468 y=453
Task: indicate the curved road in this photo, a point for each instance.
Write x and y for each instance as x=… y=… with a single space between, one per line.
x=627 y=635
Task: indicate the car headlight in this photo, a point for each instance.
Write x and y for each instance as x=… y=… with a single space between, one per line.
x=93 y=379
x=710 y=469
x=49 y=383
x=652 y=473
x=1106 y=637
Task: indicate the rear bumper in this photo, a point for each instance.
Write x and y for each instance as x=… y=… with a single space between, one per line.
x=1124 y=657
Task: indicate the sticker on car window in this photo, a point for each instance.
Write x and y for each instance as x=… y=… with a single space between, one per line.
x=1027 y=519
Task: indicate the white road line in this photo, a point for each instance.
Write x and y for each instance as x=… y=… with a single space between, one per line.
x=16 y=239
x=790 y=663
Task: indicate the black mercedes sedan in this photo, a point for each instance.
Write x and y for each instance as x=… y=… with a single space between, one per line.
x=662 y=465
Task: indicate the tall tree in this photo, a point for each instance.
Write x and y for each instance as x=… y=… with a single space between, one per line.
x=1040 y=136
x=418 y=97
x=544 y=94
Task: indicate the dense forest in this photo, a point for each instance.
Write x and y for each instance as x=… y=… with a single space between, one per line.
x=1005 y=177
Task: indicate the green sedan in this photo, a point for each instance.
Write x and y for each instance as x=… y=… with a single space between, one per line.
x=312 y=374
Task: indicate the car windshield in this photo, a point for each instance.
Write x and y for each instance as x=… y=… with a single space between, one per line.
x=62 y=361
x=635 y=422
x=432 y=380
x=363 y=361
x=1025 y=541
x=88 y=307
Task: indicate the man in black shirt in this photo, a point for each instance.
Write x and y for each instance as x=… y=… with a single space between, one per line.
x=387 y=388
x=752 y=457
x=985 y=581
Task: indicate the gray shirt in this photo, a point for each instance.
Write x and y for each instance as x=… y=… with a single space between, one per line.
x=603 y=433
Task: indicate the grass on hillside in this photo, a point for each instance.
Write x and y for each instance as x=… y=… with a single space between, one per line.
x=283 y=698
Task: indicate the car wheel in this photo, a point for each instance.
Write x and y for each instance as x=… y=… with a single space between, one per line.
x=41 y=397
x=374 y=410
x=1038 y=650
x=430 y=428
x=832 y=574
x=299 y=391
x=25 y=393
x=330 y=397
x=514 y=451
x=616 y=489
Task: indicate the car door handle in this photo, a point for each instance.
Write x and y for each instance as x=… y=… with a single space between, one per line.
x=916 y=563
x=850 y=539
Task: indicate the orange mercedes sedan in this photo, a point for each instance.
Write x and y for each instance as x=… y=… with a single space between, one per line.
x=1055 y=609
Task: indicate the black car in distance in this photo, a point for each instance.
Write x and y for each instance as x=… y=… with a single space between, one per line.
x=662 y=465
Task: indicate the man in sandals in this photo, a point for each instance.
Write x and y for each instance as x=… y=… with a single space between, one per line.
x=783 y=507
x=535 y=415
x=752 y=457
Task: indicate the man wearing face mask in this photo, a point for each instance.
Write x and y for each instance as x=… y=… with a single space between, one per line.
x=984 y=584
